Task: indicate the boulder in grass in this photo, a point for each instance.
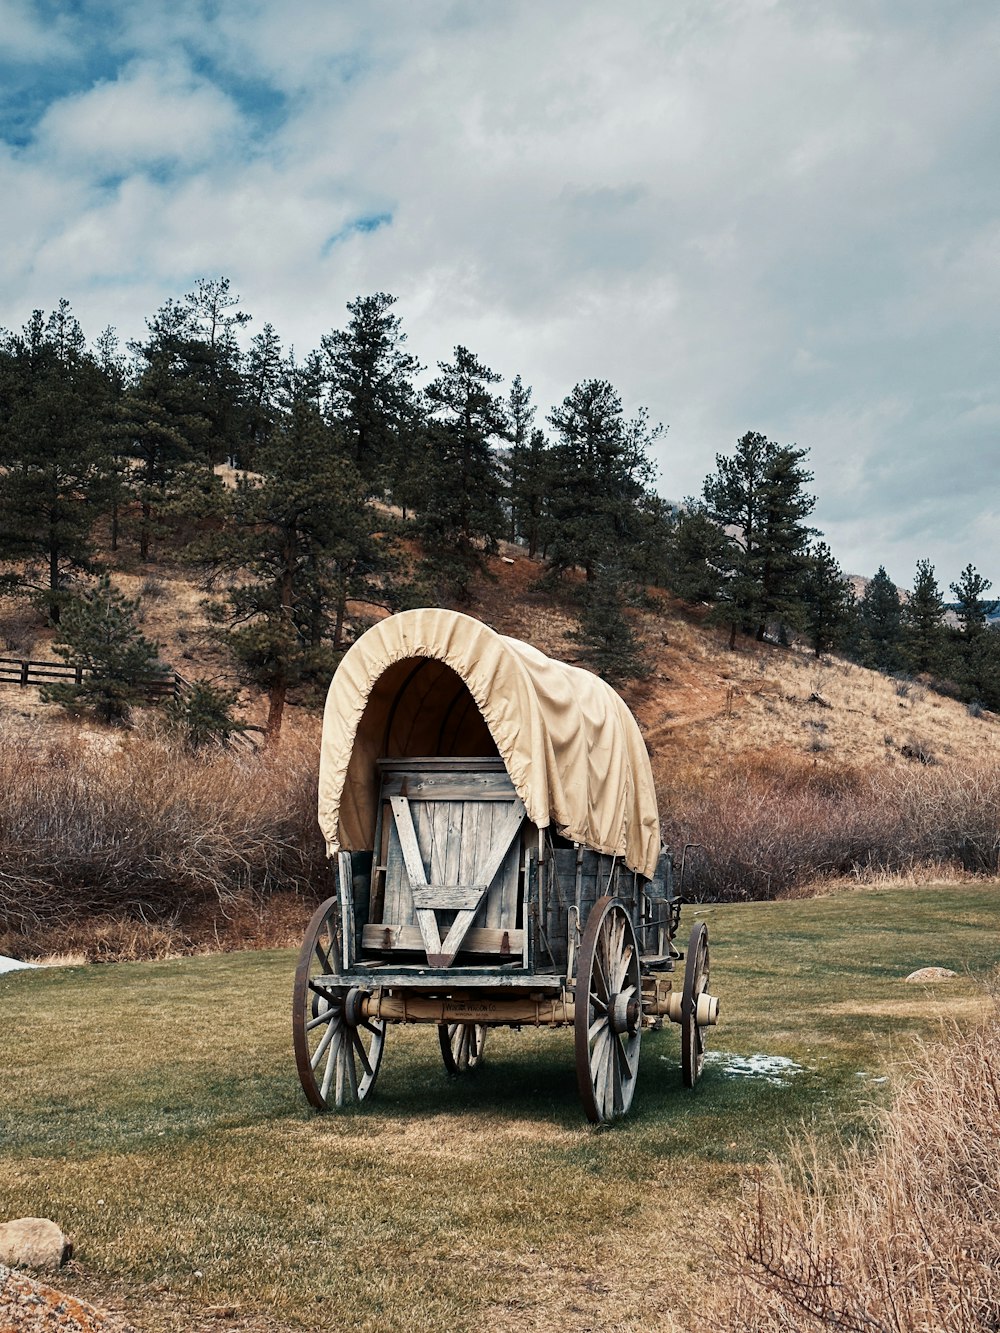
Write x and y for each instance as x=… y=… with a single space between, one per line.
x=33 y=1242
x=931 y=974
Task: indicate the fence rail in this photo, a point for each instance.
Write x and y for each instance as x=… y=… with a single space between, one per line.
x=23 y=671
x=172 y=685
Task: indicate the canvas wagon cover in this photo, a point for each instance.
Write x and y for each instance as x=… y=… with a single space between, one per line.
x=434 y=682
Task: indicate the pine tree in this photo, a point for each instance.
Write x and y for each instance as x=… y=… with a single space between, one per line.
x=215 y=364
x=205 y=715
x=601 y=471
x=976 y=646
x=520 y=415
x=531 y=488
x=265 y=376
x=925 y=635
x=99 y=636
x=828 y=601
x=369 y=377
x=298 y=540
x=973 y=608
x=696 y=549
x=757 y=497
x=457 y=493
x=604 y=632
x=880 y=625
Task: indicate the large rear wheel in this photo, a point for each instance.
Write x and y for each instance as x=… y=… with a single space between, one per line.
x=608 y=1016
x=337 y=1050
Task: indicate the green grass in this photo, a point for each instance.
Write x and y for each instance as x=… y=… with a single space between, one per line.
x=154 y=1112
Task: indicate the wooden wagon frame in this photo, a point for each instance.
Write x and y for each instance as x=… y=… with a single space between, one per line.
x=493 y=822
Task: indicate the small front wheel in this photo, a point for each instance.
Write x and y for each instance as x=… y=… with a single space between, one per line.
x=696 y=974
x=461 y=1046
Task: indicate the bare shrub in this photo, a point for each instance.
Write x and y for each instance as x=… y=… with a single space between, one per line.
x=137 y=832
x=766 y=826
x=900 y=1238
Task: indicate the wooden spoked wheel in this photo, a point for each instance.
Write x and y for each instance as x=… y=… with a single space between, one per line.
x=696 y=973
x=337 y=1050
x=608 y=1016
x=461 y=1046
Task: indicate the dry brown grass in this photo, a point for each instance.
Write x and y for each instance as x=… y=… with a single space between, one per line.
x=769 y=825
x=133 y=847
x=900 y=1239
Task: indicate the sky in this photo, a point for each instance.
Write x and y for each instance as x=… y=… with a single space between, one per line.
x=745 y=214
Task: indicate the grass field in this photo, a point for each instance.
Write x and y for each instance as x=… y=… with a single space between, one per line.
x=153 y=1111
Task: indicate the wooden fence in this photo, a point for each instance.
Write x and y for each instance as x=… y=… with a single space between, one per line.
x=172 y=685
x=21 y=671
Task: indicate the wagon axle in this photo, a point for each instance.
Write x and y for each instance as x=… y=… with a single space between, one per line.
x=658 y=1002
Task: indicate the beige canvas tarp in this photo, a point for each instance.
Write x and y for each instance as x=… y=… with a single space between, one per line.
x=433 y=682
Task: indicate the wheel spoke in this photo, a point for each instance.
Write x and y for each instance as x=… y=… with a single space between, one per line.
x=599 y=977
x=618 y=1103
x=325 y=1040
x=331 y=1065
x=598 y=1026
x=352 y=1073
x=359 y=1046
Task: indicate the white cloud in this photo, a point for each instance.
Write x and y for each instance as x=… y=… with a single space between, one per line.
x=772 y=216
x=154 y=114
x=29 y=38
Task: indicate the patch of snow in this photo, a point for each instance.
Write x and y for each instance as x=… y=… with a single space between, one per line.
x=777 y=1069
x=13 y=964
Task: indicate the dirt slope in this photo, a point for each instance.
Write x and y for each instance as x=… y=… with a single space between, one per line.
x=700 y=703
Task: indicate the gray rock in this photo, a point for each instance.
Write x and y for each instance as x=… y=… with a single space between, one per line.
x=33 y=1242
x=931 y=974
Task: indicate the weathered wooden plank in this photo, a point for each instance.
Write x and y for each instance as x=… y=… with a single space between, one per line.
x=437 y=763
x=502 y=838
x=412 y=860
x=498 y=975
x=345 y=885
x=408 y=840
x=449 y=897
x=449 y=786
x=506 y=943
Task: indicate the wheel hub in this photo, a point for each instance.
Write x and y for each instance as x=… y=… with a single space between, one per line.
x=625 y=1014
x=353 y=1012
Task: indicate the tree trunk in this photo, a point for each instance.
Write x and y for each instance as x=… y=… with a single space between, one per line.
x=144 y=531
x=54 y=607
x=275 y=712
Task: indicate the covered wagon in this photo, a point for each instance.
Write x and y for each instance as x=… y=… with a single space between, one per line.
x=492 y=816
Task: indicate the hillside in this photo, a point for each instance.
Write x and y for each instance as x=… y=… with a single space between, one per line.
x=776 y=773
x=700 y=703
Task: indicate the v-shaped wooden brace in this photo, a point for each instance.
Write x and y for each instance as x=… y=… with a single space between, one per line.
x=462 y=899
